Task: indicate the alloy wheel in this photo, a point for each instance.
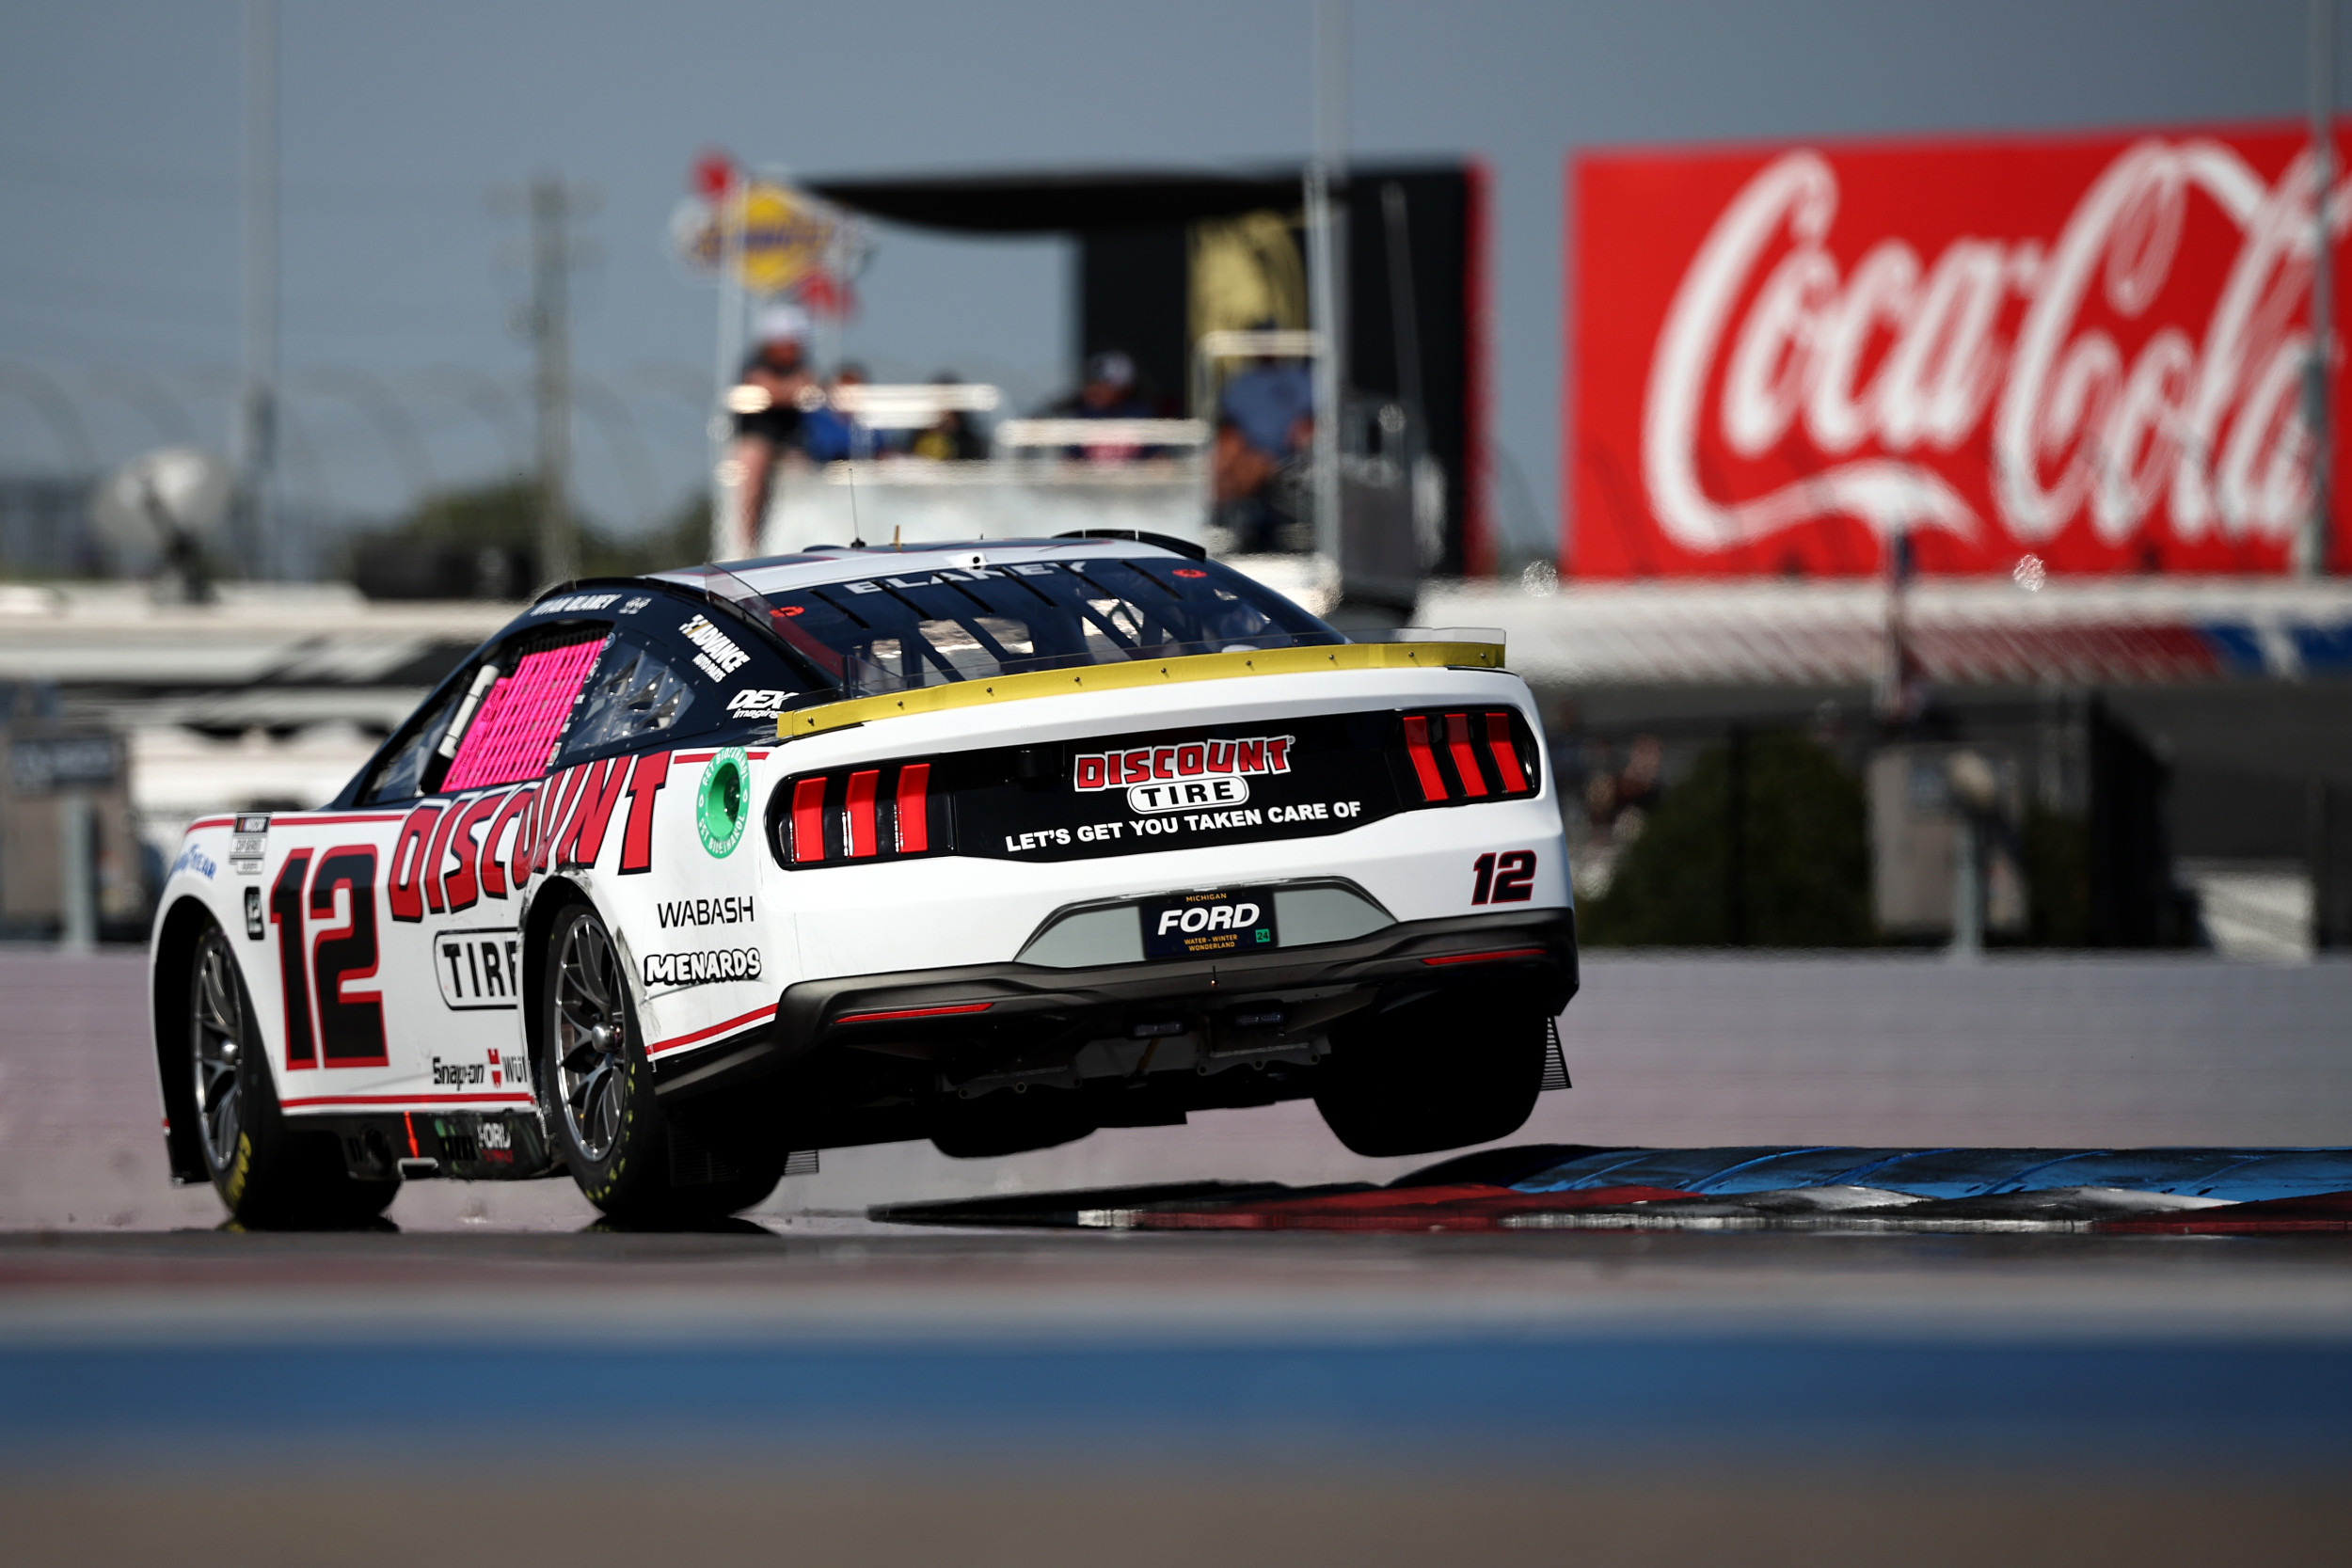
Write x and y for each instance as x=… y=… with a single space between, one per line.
x=216 y=1038
x=590 y=1035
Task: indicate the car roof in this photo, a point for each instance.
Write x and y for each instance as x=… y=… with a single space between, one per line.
x=815 y=568
x=601 y=599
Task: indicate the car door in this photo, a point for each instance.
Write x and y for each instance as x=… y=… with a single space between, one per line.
x=451 y=805
x=325 y=976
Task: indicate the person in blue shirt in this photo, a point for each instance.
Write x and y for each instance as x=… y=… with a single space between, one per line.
x=1265 y=420
x=830 y=435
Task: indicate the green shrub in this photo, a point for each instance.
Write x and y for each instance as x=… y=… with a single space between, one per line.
x=1807 y=857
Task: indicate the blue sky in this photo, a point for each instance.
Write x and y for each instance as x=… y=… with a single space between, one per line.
x=120 y=152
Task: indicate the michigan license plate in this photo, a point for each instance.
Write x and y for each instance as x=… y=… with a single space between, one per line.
x=1208 y=924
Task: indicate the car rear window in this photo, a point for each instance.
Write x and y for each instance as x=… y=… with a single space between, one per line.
x=892 y=632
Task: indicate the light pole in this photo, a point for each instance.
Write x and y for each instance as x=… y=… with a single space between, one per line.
x=1326 y=240
x=553 y=205
x=257 y=423
x=726 y=183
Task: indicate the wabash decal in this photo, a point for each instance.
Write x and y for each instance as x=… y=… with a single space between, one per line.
x=727 y=910
x=696 y=969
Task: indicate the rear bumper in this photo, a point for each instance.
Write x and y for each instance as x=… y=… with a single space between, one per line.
x=930 y=1014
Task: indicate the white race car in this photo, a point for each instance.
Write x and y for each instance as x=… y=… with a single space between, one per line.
x=993 y=844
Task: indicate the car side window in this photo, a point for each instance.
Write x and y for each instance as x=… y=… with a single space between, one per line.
x=497 y=722
x=403 y=773
x=635 y=694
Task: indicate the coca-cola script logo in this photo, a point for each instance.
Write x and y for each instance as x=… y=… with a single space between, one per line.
x=2092 y=352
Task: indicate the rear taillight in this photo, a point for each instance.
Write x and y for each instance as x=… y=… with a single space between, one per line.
x=1453 y=757
x=863 y=813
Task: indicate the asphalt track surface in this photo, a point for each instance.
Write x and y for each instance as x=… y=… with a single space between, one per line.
x=816 y=1385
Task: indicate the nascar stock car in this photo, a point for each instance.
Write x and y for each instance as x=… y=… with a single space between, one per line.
x=678 y=876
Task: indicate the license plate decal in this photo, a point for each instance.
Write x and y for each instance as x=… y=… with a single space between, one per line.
x=1222 y=922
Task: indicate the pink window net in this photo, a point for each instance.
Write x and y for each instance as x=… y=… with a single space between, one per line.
x=514 y=734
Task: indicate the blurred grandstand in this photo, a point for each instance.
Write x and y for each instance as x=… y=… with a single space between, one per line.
x=1841 y=736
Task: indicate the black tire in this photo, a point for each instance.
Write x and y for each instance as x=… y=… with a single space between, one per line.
x=271 y=1175
x=595 y=1088
x=1438 y=1073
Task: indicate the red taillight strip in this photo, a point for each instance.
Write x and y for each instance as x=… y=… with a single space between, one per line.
x=1489 y=957
x=859 y=814
x=914 y=812
x=808 y=820
x=1465 y=759
x=914 y=1012
x=1505 y=754
x=1424 y=762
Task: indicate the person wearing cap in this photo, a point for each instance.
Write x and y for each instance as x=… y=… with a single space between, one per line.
x=1108 y=391
x=766 y=405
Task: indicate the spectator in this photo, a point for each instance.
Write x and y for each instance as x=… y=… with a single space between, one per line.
x=1107 y=393
x=830 y=435
x=1265 y=420
x=768 y=419
x=952 y=439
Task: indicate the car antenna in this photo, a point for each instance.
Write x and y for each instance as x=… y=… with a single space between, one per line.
x=896 y=529
x=857 y=533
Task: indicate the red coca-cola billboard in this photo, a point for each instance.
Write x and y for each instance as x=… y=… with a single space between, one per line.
x=2088 y=350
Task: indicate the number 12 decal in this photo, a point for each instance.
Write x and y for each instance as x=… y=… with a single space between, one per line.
x=1505 y=879
x=313 y=974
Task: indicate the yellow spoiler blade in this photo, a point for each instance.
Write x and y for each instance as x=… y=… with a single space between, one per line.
x=1161 y=672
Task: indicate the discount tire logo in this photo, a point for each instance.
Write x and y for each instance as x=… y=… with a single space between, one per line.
x=1192 y=773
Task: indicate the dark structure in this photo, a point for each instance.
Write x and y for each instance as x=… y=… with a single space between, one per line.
x=1136 y=230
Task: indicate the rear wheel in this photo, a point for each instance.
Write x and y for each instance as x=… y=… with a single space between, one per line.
x=271 y=1175
x=1434 y=1074
x=599 y=1089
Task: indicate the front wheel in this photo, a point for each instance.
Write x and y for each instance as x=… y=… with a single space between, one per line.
x=269 y=1174
x=1438 y=1073
x=598 y=1089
